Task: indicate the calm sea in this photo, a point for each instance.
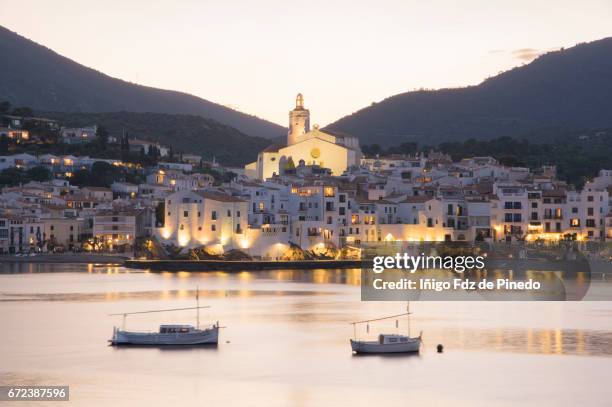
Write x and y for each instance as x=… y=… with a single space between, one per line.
x=286 y=342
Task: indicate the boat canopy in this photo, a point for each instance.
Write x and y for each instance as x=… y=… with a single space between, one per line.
x=167 y=329
x=387 y=338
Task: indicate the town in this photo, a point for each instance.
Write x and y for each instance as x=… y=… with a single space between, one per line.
x=316 y=195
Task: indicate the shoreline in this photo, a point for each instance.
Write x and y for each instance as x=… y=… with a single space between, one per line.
x=236 y=265
x=179 y=265
x=80 y=258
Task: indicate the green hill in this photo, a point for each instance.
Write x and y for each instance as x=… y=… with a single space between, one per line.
x=33 y=75
x=569 y=89
x=184 y=133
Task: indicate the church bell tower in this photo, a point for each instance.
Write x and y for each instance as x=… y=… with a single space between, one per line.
x=299 y=121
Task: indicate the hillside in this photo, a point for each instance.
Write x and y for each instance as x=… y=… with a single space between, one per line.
x=569 y=89
x=185 y=133
x=33 y=75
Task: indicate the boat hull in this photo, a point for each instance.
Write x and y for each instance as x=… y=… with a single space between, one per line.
x=208 y=336
x=373 y=347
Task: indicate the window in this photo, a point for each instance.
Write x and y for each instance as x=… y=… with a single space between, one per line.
x=507 y=205
x=517 y=205
x=508 y=217
x=590 y=211
x=213 y=227
x=185 y=214
x=52 y=227
x=342 y=198
x=590 y=198
x=237 y=214
x=575 y=223
x=590 y=223
x=341 y=211
x=534 y=205
x=229 y=213
x=213 y=215
x=574 y=210
x=517 y=217
x=199 y=214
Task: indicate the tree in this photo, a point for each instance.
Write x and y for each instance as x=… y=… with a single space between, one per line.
x=81 y=178
x=102 y=137
x=5 y=106
x=104 y=174
x=160 y=213
x=39 y=173
x=23 y=111
x=407 y=148
x=371 y=149
x=4 y=144
x=290 y=165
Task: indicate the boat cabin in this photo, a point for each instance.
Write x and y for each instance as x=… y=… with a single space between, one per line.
x=175 y=329
x=385 y=339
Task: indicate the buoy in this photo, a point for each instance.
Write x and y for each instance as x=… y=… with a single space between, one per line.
x=440 y=348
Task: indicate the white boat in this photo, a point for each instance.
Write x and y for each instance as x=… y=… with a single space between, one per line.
x=387 y=343
x=167 y=334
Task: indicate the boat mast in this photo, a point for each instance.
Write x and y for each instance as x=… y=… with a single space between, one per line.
x=198 y=306
x=408 y=316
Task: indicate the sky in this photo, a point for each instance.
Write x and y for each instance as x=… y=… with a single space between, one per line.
x=255 y=56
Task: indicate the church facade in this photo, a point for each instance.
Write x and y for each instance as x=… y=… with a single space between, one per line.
x=324 y=148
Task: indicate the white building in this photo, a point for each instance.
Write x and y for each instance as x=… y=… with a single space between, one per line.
x=324 y=148
x=198 y=218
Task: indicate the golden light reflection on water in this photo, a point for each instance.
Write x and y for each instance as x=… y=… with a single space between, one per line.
x=530 y=341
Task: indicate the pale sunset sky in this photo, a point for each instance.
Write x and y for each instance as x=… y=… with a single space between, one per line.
x=255 y=56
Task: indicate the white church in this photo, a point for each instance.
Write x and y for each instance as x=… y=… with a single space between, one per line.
x=324 y=148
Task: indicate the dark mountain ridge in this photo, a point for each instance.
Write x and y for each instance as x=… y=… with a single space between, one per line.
x=569 y=89
x=33 y=75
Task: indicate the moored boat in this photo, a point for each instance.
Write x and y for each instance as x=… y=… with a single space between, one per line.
x=168 y=335
x=388 y=343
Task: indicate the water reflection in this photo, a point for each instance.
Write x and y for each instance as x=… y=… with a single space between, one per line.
x=164 y=295
x=530 y=341
x=287 y=342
